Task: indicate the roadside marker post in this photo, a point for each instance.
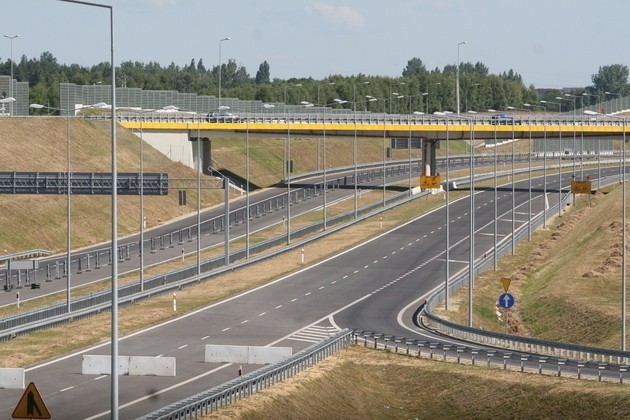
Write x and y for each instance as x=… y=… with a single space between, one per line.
x=506 y=301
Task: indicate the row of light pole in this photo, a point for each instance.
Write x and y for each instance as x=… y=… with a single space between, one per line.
x=114 y=335
x=221 y=41
x=392 y=94
x=11 y=38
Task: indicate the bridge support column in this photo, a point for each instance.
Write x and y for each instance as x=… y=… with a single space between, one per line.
x=205 y=150
x=429 y=162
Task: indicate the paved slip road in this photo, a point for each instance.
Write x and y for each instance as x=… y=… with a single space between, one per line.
x=365 y=287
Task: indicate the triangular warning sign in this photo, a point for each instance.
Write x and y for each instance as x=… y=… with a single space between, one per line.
x=31 y=405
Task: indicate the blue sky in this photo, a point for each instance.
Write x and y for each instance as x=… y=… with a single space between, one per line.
x=551 y=43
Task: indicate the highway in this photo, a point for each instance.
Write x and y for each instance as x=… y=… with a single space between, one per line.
x=161 y=249
x=162 y=243
x=368 y=287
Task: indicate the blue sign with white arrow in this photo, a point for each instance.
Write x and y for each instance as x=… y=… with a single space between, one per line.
x=506 y=300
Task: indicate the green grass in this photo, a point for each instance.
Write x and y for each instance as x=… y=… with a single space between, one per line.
x=361 y=383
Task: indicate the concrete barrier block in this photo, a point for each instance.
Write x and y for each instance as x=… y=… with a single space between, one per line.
x=266 y=355
x=151 y=366
x=12 y=378
x=226 y=354
x=101 y=365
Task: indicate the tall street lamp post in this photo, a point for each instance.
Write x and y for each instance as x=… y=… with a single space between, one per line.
x=11 y=38
x=392 y=93
x=466 y=98
x=612 y=94
x=354 y=94
x=457 y=79
x=220 y=67
x=114 y=316
x=436 y=85
x=554 y=103
x=318 y=88
x=597 y=97
x=285 y=91
x=68 y=206
x=68 y=194
x=623 y=226
x=618 y=95
x=575 y=97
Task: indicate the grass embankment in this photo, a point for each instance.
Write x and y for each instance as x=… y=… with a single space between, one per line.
x=39 y=221
x=360 y=383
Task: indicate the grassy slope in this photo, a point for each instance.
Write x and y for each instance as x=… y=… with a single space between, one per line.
x=39 y=144
x=360 y=383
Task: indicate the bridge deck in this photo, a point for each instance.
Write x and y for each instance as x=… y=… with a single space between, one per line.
x=392 y=126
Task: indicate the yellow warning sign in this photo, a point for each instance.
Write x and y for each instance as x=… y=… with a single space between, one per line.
x=506 y=283
x=430 y=181
x=581 y=187
x=31 y=405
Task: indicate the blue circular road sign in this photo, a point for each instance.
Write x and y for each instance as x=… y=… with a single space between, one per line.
x=506 y=300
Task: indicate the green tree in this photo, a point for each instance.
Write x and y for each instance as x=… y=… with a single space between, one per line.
x=263 y=75
x=481 y=69
x=415 y=66
x=612 y=78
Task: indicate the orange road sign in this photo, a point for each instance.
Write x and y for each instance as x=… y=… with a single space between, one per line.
x=430 y=181
x=31 y=405
x=581 y=187
x=506 y=283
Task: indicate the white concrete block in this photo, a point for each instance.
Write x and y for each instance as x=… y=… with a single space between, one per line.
x=151 y=366
x=266 y=355
x=226 y=354
x=12 y=378
x=101 y=365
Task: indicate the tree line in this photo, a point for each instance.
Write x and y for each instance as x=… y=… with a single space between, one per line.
x=416 y=90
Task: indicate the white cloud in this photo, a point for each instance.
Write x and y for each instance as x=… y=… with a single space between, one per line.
x=340 y=15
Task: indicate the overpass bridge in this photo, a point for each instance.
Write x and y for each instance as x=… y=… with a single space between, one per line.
x=177 y=131
x=430 y=127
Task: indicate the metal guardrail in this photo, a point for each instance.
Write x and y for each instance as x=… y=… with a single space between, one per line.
x=323 y=118
x=223 y=395
x=508 y=341
x=505 y=359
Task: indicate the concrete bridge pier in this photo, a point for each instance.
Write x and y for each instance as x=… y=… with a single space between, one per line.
x=205 y=150
x=429 y=162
